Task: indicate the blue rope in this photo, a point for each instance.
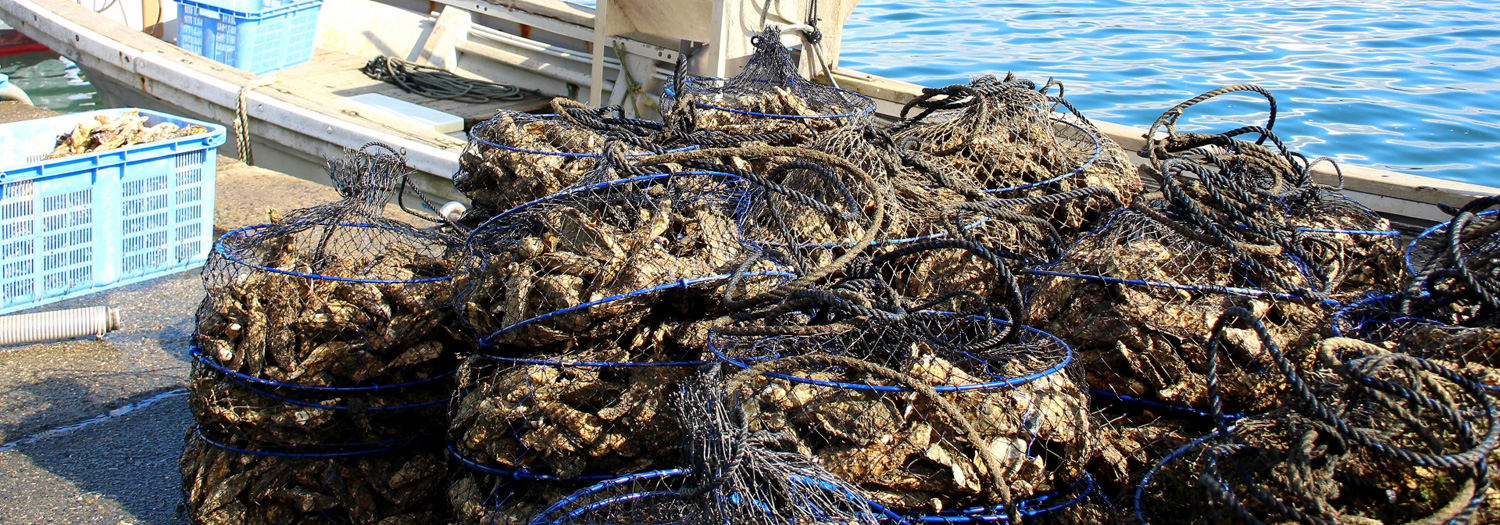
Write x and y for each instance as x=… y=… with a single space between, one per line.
x=1027 y=507
x=405 y=444
x=489 y=340
x=1384 y=233
x=543 y=518
x=1158 y=406
x=486 y=225
x=197 y=352
x=222 y=249
x=744 y=363
x=1140 y=489
x=1098 y=148
x=1211 y=288
x=1427 y=232
x=310 y=404
x=523 y=474
x=600 y=364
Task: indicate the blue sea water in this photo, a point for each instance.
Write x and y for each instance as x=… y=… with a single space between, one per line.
x=1404 y=85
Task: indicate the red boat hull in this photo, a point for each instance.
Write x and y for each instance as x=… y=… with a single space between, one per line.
x=12 y=42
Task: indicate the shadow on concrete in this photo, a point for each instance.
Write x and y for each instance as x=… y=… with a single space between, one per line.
x=122 y=462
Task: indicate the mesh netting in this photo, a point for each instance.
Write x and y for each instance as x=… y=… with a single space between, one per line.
x=737 y=476
x=1446 y=313
x=925 y=203
x=1259 y=203
x=481 y=498
x=324 y=336
x=326 y=318
x=596 y=411
x=515 y=158
x=1402 y=323
x=595 y=259
x=1454 y=268
x=1136 y=300
x=225 y=485
x=1367 y=436
x=768 y=97
x=1235 y=224
x=930 y=413
x=993 y=159
x=1002 y=136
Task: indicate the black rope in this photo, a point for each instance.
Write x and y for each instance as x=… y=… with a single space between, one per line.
x=437 y=83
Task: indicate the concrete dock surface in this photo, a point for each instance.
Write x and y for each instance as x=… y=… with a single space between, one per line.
x=90 y=430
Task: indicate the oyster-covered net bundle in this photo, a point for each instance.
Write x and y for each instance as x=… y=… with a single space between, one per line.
x=1001 y=139
x=924 y=203
x=224 y=485
x=1456 y=278
x=486 y=498
x=732 y=475
x=1403 y=323
x=1364 y=436
x=768 y=97
x=1258 y=200
x=594 y=260
x=328 y=323
x=1136 y=300
x=935 y=411
x=590 y=412
x=515 y=158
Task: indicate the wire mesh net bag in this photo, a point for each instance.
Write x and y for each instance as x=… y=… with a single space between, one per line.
x=1258 y=201
x=591 y=412
x=329 y=325
x=593 y=260
x=1001 y=138
x=1136 y=300
x=923 y=204
x=930 y=412
x=482 y=498
x=225 y=485
x=768 y=97
x=1365 y=436
x=1447 y=313
x=1453 y=267
x=515 y=157
x=1235 y=224
x=1405 y=323
x=915 y=199
x=736 y=476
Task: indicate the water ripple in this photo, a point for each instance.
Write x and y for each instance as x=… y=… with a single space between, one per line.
x=1404 y=85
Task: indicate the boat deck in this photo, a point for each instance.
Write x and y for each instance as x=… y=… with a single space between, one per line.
x=332 y=75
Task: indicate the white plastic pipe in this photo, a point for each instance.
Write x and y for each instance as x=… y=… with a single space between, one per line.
x=60 y=324
x=9 y=91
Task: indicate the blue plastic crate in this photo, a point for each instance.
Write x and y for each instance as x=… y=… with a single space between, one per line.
x=81 y=224
x=258 y=36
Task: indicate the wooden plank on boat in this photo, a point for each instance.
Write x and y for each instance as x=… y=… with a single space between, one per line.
x=337 y=75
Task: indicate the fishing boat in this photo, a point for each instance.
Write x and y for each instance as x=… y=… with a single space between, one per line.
x=619 y=52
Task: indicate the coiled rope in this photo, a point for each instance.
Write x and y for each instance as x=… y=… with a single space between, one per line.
x=437 y=83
